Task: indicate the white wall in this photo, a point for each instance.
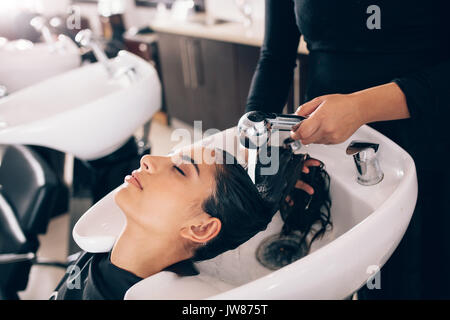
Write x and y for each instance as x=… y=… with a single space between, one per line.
x=227 y=10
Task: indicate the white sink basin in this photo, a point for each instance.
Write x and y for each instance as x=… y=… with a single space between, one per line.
x=368 y=224
x=84 y=111
x=23 y=63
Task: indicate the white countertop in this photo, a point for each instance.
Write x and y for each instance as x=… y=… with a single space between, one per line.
x=234 y=32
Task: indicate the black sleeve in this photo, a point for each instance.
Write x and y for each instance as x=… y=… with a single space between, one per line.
x=273 y=76
x=427 y=94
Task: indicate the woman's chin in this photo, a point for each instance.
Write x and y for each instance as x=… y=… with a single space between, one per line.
x=125 y=198
x=120 y=195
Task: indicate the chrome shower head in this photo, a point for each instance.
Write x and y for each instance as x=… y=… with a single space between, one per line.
x=255 y=127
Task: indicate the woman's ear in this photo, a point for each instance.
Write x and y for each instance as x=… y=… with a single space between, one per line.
x=202 y=231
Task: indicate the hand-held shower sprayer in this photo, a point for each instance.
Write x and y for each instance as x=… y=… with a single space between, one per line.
x=255 y=130
x=255 y=127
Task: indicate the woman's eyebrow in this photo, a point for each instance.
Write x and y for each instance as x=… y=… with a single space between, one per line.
x=189 y=159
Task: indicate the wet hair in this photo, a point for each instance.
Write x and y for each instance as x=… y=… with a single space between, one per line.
x=246 y=208
x=238 y=205
x=308 y=214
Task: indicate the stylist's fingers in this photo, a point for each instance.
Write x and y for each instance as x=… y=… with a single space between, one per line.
x=307 y=108
x=317 y=137
x=304 y=186
x=309 y=126
x=310 y=163
x=306 y=129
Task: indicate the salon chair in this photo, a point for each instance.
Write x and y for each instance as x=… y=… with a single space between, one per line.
x=27 y=199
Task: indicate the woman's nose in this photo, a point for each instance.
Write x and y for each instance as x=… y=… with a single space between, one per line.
x=152 y=164
x=147 y=164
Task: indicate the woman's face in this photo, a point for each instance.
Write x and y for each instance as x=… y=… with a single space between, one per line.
x=166 y=192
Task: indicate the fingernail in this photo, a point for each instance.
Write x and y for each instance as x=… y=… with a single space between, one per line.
x=295 y=127
x=294 y=135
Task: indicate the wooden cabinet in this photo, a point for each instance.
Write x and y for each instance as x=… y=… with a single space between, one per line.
x=205 y=80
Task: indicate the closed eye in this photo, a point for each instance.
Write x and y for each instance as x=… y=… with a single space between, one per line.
x=179 y=170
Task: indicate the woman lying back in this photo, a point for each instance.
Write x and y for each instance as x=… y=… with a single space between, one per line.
x=190 y=206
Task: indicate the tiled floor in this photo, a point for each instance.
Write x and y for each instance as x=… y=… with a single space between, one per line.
x=54 y=243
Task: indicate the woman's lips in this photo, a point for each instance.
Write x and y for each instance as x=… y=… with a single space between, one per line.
x=133 y=180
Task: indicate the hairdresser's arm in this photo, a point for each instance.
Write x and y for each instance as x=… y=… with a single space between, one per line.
x=422 y=96
x=273 y=76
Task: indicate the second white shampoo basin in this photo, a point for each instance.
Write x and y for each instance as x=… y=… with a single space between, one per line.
x=368 y=224
x=23 y=63
x=85 y=112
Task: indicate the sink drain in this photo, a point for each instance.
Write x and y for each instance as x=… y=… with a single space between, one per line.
x=278 y=251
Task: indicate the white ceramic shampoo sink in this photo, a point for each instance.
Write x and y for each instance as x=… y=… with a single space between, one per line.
x=368 y=224
x=85 y=111
x=23 y=63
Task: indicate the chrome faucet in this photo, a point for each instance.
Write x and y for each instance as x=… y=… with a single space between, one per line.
x=85 y=39
x=367 y=165
x=255 y=127
x=40 y=25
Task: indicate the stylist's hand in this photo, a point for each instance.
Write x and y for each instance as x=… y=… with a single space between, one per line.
x=311 y=162
x=301 y=184
x=334 y=118
x=331 y=119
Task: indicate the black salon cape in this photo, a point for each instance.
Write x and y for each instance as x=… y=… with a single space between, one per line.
x=94 y=277
x=412 y=49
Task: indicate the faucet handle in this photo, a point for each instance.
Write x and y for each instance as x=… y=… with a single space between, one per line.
x=356 y=147
x=38 y=23
x=367 y=165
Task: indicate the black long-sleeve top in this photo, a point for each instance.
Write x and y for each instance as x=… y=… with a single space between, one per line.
x=411 y=47
x=94 y=277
